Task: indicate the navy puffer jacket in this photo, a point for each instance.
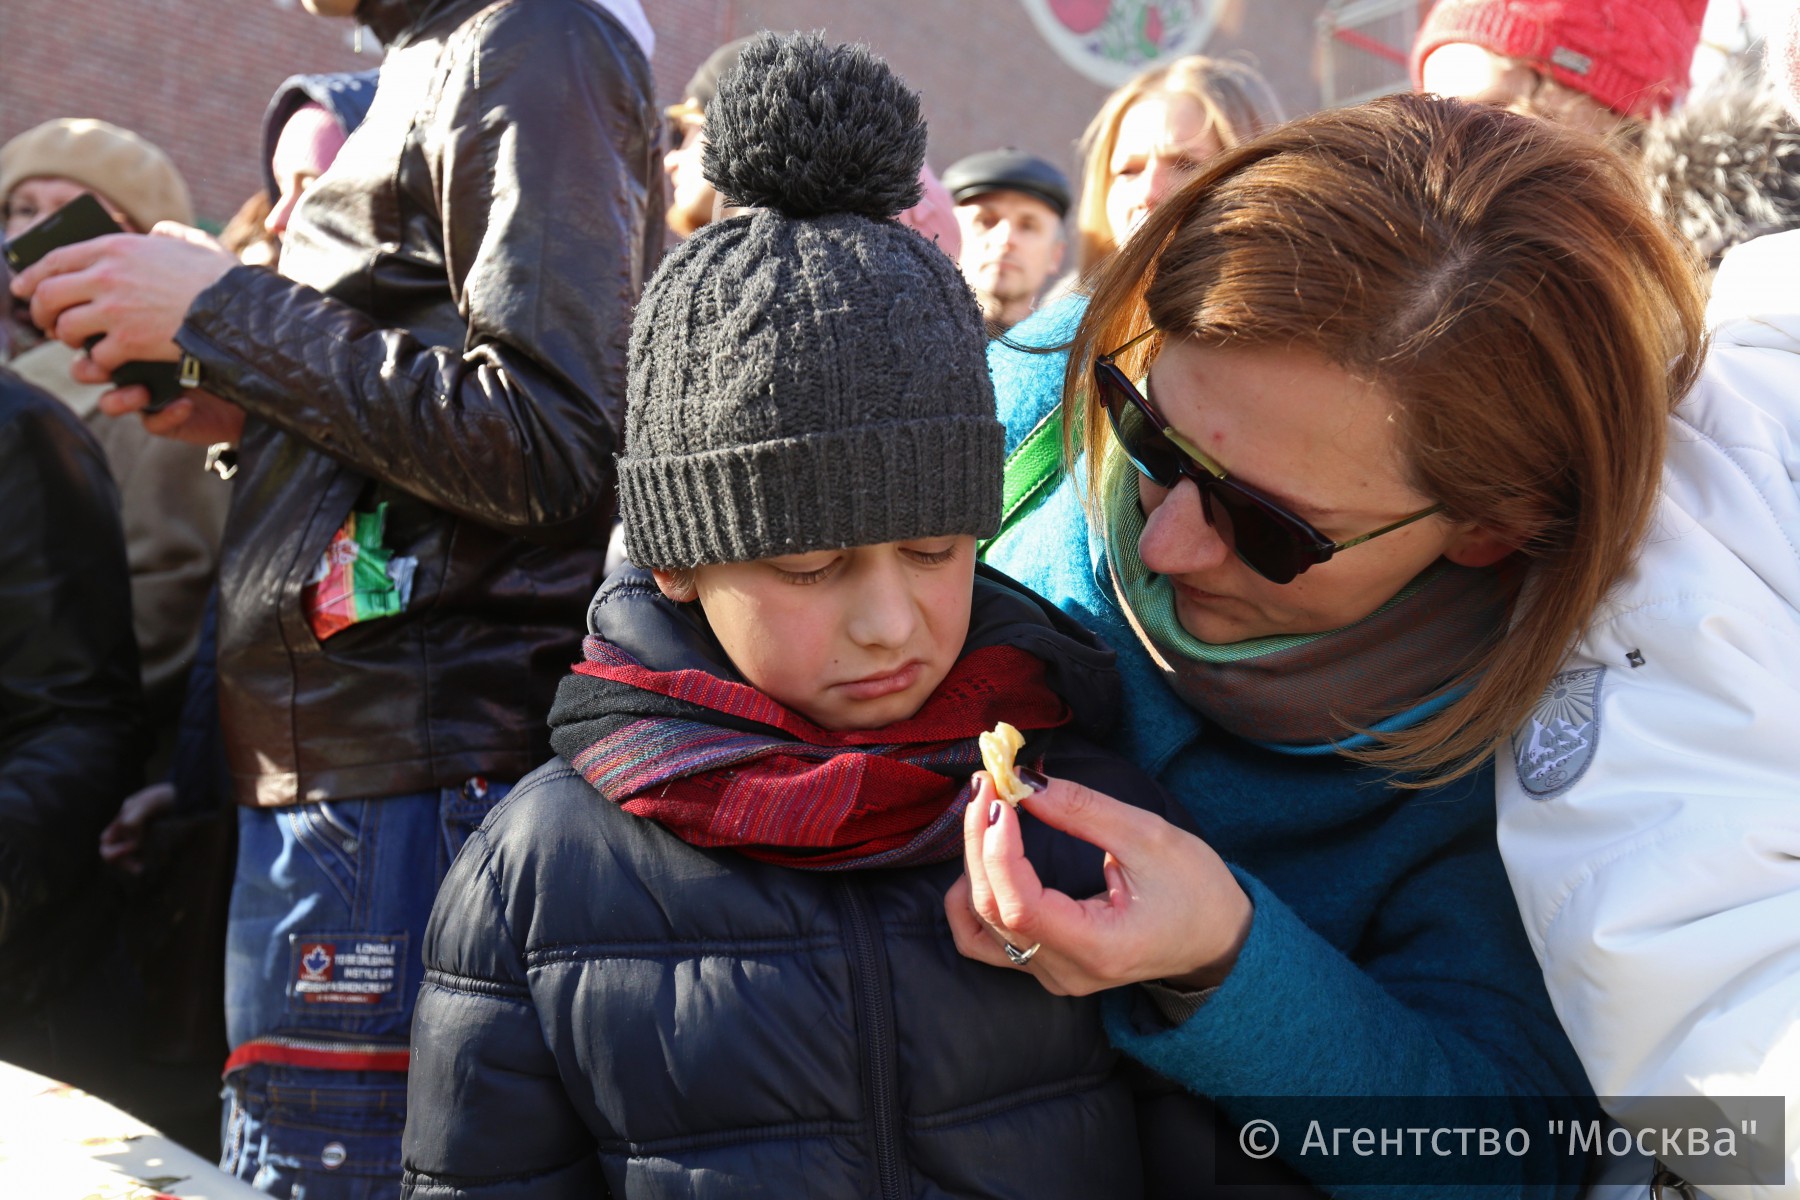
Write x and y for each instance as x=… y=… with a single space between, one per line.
x=609 y=1010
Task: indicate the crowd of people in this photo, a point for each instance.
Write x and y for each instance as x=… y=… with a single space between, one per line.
x=515 y=712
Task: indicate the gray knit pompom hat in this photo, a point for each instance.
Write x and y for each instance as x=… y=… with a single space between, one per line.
x=810 y=374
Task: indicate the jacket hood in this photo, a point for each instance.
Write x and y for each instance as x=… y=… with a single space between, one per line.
x=631 y=612
x=345 y=95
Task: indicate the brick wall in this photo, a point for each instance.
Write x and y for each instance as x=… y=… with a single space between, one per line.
x=193 y=75
x=984 y=75
x=987 y=78
x=190 y=75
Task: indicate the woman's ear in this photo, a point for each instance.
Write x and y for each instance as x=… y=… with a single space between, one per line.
x=676 y=585
x=1477 y=546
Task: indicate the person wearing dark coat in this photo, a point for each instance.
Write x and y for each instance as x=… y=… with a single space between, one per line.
x=704 y=952
x=71 y=736
x=424 y=406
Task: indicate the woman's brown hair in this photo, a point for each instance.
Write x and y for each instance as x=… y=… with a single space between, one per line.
x=1503 y=281
x=1238 y=104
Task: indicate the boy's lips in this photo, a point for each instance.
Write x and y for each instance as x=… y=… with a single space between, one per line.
x=873 y=687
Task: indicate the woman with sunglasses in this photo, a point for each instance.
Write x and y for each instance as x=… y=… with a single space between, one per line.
x=1361 y=429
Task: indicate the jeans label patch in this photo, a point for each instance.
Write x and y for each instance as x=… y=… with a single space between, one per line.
x=349 y=969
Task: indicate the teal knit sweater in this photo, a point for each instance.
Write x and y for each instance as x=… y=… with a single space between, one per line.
x=1386 y=956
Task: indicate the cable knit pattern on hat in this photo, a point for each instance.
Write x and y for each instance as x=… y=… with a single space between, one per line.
x=799 y=382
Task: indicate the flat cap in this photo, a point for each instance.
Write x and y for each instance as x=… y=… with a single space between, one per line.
x=1008 y=170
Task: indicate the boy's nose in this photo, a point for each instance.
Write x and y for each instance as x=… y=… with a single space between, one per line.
x=883 y=613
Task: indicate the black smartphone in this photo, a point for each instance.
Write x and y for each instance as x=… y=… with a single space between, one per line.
x=80 y=219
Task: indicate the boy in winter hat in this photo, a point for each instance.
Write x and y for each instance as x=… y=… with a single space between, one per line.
x=704 y=951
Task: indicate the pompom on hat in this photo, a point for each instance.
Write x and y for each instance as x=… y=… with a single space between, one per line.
x=115 y=163
x=810 y=374
x=1633 y=56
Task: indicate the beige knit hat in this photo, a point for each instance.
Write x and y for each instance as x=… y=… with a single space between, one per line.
x=115 y=163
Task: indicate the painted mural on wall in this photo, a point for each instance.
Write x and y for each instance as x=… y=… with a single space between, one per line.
x=1109 y=41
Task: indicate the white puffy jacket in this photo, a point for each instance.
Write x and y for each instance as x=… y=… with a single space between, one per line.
x=1650 y=819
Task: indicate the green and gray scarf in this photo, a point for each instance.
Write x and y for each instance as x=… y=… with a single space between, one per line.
x=1312 y=689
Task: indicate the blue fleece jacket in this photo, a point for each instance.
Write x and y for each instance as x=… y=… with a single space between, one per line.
x=1386 y=956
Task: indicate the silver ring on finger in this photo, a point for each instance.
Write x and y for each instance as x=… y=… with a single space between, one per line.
x=1021 y=957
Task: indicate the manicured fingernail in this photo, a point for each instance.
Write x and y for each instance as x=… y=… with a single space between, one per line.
x=1037 y=781
x=994 y=807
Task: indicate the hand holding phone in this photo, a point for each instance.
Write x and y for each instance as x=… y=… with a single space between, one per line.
x=80 y=220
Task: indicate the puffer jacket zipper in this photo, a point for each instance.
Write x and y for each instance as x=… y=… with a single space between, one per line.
x=875 y=1025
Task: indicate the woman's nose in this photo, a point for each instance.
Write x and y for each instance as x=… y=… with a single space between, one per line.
x=1177 y=537
x=1137 y=207
x=1161 y=177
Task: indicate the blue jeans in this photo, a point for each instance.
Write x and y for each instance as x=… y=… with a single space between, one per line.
x=322 y=967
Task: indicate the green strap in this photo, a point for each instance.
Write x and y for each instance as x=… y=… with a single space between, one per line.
x=1032 y=470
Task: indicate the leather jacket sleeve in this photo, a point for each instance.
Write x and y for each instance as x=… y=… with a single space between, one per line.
x=533 y=148
x=69 y=741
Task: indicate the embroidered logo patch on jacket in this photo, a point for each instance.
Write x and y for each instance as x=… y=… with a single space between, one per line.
x=1557 y=742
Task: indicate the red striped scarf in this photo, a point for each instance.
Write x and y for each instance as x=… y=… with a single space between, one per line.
x=721 y=764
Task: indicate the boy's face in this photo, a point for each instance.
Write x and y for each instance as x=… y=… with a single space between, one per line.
x=850 y=639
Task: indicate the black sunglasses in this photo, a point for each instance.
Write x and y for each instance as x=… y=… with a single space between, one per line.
x=1272 y=541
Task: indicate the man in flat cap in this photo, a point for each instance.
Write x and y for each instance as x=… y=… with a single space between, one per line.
x=1010 y=206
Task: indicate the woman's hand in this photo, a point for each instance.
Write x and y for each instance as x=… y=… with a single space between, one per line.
x=1172 y=910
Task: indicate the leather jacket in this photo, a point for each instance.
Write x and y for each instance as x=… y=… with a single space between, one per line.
x=70 y=739
x=449 y=340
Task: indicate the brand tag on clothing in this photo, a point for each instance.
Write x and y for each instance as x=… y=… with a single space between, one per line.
x=347 y=969
x=1557 y=742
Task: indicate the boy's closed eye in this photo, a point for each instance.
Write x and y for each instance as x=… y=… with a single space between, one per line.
x=849 y=637
x=819 y=565
x=805 y=568
x=932 y=552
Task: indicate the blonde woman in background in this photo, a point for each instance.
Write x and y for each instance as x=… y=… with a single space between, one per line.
x=1152 y=133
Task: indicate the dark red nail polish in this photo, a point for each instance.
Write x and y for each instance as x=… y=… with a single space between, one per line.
x=1037 y=781
x=993 y=811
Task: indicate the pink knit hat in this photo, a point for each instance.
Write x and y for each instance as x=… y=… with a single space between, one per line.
x=1633 y=56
